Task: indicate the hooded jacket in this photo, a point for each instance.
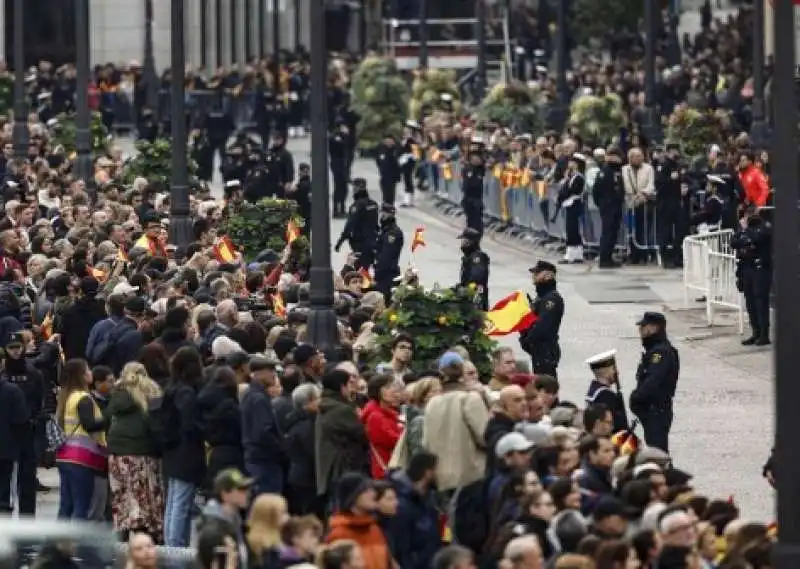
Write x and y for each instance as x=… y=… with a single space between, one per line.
x=365 y=531
x=383 y=429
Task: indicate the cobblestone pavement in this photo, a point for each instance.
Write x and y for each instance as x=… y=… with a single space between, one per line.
x=722 y=431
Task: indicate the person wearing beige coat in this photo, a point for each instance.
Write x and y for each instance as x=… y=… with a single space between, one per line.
x=455 y=422
x=638 y=177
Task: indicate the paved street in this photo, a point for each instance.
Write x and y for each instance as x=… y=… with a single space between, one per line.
x=723 y=411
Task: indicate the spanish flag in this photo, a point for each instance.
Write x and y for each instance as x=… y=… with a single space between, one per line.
x=497 y=171
x=122 y=255
x=626 y=442
x=447 y=171
x=510 y=314
x=224 y=250
x=419 y=239
x=278 y=307
x=46 y=327
x=152 y=248
x=525 y=178
x=98 y=274
x=366 y=277
x=292 y=232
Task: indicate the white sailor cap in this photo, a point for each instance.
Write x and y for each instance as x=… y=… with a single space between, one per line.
x=410 y=123
x=541 y=69
x=578 y=156
x=233 y=184
x=446 y=97
x=601 y=360
x=715 y=179
x=52 y=122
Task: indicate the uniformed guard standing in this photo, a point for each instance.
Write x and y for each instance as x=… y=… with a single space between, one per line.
x=605 y=388
x=656 y=381
x=387 y=254
x=474 y=266
x=387 y=158
x=609 y=197
x=472 y=190
x=339 y=148
x=540 y=341
x=361 y=227
x=670 y=216
x=570 y=197
x=753 y=245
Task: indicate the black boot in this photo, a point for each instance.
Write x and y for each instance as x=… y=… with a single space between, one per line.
x=751 y=340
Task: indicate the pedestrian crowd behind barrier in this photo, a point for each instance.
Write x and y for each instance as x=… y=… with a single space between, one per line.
x=514 y=200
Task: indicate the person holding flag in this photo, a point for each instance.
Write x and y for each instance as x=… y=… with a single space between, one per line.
x=540 y=340
x=418 y=240
x=150 y=241
x=474 y=266
x=605 y=388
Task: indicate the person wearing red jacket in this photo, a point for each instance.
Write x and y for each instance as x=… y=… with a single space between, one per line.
x=381 y=418
x=754 y=182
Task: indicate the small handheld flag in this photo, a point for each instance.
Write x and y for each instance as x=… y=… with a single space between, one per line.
x=510 y=314
x=292 y=232
x=278 y=307
x=46 y=327
x=419 y=239
x=224 y=250
x=367 y=278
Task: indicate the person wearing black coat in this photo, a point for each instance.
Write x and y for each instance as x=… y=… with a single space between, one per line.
x=183 y=455
x=14 y=419
x=76 y=322
x=300 y=448
x=221 y=420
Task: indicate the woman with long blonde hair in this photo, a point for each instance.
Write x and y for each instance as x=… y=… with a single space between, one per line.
x=137 y=499
x=268 y=515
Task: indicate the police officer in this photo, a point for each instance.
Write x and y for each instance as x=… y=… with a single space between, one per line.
x=301 y=193
x=472 y=190
x=387 y=253
x=474 y=266
x=608 y=193
x=387 y=158
x=219 y=126
x=540 y=341
x=670 y=219
x=234 y=163
x=656 y=380
x=147 y=129
x=753 y=245
x=361 y=227
x=19 y=371
x=203 y=154
x=605 y=388
x=281 y=164
x=339 y=149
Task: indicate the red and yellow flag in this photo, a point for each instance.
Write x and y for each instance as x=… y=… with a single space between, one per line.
x=510 y=314
x=101 y=276
x=626 y=442
x=366 y=277
x=419 y=239
x=525 y=178
x=46 y=327
x=447 y=171
x=278 y=307
x=224 y=250
x=292 y=232
x=122 y=255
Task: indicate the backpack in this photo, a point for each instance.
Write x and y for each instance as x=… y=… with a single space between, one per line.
x=471 y=516
x=103 y=353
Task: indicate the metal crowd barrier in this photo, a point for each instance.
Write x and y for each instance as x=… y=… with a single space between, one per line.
x=532 y=208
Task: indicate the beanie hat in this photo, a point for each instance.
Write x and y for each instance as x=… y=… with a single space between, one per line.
x=351 y=486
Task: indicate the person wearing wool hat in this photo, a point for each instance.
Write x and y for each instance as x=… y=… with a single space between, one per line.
x=354 y=520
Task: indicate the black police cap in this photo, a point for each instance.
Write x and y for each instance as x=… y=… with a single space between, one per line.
x=656 y=318
x=542 y=266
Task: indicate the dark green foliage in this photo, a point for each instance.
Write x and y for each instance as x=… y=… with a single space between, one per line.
x=437 y=319
x=66 y=132
x=380 y=98
x=262 y=225
x=513 y=105
x=154 y=162
x=601 y=19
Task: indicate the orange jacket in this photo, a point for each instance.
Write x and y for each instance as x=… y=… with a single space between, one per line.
x=366 y=532
x=756 y=188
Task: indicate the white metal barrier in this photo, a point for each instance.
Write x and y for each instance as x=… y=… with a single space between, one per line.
x=709 y=269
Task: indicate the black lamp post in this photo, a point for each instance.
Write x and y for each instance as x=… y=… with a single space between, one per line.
x=276 y=41
x=20 y=132
x=149 y=64
x=322 y=325
x=423 y=34
x=262 y=27
x=480 y=34
x=787 y=310
x=83 y=135
x=650 y=126
x=180 y=226
x=759 y=129
x=561 y=109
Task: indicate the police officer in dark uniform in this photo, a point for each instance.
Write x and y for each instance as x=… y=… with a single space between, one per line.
x=301 y=193
x=387 y=253
x=203 y=154
x=540 y=341
x=670 y=217
x=361 y=227
x=147 y=129
x=472 y=189
x=656 y=381
x=19 y=371
x=339 y=149
x=474 y=266
x=753 y=245
x=280 y=164
x=387 y=157
x=608 y=193
x=605 y=388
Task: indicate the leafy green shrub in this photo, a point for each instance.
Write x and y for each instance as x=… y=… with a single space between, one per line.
x=597 y=119
x=696 y=130
x=262 y=225
x=66 y=132
x=380 y=98
x=427 y=89
x=514 y=105
x=437 y=319
x=152 y=161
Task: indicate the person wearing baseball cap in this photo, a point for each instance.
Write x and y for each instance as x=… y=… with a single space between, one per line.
x=231 y=496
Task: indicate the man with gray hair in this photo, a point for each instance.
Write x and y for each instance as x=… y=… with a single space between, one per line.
x=524 y=552
x=300 y=441
x=454 y=557
x=227 y=314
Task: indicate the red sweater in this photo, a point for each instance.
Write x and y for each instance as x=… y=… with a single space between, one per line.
x=383 y=431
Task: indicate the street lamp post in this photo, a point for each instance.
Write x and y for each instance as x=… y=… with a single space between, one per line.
x=480 y=15
x=276 y=41
x=83 y=136
x=759 y=129
x=423 y=34
x=650 y=126
x=322 y=325
x=561 y=109
x=787 y=310
x=20 y=132
x=149 y=63
x=180 y=226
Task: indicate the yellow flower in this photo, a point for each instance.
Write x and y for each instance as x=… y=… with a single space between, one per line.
x=442 y=320
x=472 y=286
x=393 y=317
